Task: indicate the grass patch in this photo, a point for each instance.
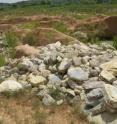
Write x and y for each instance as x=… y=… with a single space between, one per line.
x=30 y=39
x=2 y=60
x=11 y=39
x=60 y=26
x=28 y=25
x=115 y=42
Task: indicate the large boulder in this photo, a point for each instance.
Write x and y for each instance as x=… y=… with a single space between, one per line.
x=26 y=50
x=110 y=97
x=10 y=86
x=109 y=70
x=78 y=74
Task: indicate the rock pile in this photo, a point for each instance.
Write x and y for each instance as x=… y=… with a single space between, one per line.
x=60 y=73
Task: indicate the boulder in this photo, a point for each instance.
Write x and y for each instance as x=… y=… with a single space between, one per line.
x=89 y=85
x=110 y=97
x=10 y=86
x=64 y=65
x=95 y=94
x=109 y=70
x=26 y=50
x=78 y=74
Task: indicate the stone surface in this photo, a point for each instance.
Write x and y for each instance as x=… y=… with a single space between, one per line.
x=64 y=65
x=78 y=74
x=95 y=94
x=36 y=80
x=10 y=85
x=110 y=98
x=48 y=100
x=89 y=85
x=54 y=80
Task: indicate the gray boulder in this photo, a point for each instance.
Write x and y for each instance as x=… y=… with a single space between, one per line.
x=78 y=74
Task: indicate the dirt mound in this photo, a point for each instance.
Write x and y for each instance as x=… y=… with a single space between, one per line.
x=49 y=35
x=111 y=26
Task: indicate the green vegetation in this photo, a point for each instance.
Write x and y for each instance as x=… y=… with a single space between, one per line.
x=60 y=26
x=28 y=25
x=30 y=39
x=2 y=60
x=11 y=39
x=115 y=42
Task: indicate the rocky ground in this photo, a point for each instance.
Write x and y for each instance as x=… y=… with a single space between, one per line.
x=75 y=74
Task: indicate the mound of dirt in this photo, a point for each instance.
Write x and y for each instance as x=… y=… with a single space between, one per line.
x=49 y=35
x=111 y=26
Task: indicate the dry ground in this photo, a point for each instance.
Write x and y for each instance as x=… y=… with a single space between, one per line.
x=25 y=108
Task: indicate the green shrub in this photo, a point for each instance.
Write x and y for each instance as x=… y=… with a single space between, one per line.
x=115 y=42
x=30 y=39
x=28 y=25
x=60 y=26
x=2 y=60
x=11 y=39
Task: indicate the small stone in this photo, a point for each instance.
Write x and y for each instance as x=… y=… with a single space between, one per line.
x=60 y=102
x=70 y=92
x=64 y=65
x=77 y=61
x=54 y=80
x=48 y=100
x=36 y=80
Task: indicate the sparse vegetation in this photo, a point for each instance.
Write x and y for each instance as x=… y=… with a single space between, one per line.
x=2 y=60
x=115 y=42
x=30 y=39
x=11 y=40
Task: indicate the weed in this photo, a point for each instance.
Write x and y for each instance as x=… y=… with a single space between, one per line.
x=28 y=25
x=55 y=93
x=30 y=39
x=60 y=26
x=11 y=40
x=2 y=60
x=115 y=42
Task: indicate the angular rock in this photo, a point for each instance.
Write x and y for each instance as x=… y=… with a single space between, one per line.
x=107 y=76
x=77 y=61
x=89 y=85
x=65 y=64
x=54 y=80
x=77 y=74
x=95 y=94
x=110 y=98
x=48 y=100
x=36 y=80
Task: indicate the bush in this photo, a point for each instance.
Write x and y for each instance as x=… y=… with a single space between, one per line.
x=60 y=26
x=30 y=39
x=115 y=42
x=11 y=39
x=2 y=60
